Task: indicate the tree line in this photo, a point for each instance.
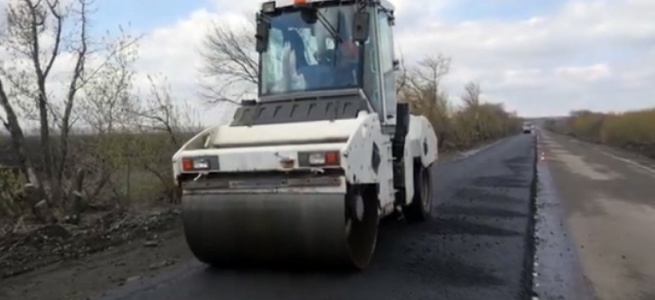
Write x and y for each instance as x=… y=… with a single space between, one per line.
x=631 y=130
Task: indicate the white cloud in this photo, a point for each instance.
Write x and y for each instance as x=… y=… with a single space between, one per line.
x=546 y=64
x=588 y=54
x=521 y=77
x=174 y=52
x=584 y=74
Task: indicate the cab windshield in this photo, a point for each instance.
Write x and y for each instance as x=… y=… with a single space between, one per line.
x=303 y=56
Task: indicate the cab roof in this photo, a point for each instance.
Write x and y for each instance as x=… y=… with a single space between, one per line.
x=384 y=3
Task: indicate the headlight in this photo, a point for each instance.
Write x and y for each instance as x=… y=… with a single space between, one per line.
x=201 y=163
x=316 y=159
x=319 y=159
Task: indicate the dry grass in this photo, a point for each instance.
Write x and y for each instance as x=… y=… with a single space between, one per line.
x=137 y=168
x=633 y=130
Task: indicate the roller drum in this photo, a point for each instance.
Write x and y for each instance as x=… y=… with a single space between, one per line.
x=286 y=229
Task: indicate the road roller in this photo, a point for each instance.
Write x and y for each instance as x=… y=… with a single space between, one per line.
x=305 y=170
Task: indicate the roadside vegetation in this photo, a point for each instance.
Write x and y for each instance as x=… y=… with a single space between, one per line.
x=83 y=146
x=633 y=130
x=458 y=127
x=84 y=141
x=96 y=140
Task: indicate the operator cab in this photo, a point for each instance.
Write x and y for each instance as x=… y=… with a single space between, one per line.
x=335 y=55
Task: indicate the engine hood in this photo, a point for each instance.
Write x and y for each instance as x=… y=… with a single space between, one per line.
x=285 y=133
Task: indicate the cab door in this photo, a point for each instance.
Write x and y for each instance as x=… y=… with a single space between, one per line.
x=387 y=72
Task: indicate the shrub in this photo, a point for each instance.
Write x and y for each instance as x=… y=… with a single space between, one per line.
x=632 y=130
x=10 y=190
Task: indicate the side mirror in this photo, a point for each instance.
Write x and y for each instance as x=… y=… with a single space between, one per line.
x=396 y=64
x=261 y=35
x=361 y=24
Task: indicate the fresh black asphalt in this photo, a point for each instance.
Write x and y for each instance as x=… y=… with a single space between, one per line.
x=479 y=245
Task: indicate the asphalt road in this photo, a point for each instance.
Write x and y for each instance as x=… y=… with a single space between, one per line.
x=477 y=246
x=608 y=201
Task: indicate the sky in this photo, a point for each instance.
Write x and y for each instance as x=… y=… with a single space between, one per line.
x=539 y=58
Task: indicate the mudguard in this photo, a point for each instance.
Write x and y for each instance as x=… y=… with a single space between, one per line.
x=420 y=143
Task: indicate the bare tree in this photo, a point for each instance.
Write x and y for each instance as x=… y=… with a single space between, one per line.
x=230 y=62
x=12 y=125
x=36 y=37
x=421 y=88
x=104 y=108
x=472 y=94
x=158 y=113
x=422 y=83
x=472 y=113
x=162 y=125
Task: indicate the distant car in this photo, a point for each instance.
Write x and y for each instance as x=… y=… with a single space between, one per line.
x=528 y=127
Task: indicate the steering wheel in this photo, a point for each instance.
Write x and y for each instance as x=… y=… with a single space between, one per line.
x=325 y=57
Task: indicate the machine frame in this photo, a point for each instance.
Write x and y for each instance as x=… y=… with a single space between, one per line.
x=324 y=143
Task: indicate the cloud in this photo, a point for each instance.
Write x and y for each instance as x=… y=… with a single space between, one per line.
x=594 y=54
x=591 y=52
x=584 y=74
x=174 y=52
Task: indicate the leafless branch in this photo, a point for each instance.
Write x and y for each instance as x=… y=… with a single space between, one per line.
x=471 y=95
x=228 y=54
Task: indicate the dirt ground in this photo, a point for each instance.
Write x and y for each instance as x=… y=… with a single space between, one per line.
x=80 y=262
x=70 y=262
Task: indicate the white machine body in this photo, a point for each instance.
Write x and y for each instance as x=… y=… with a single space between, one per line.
x=365 y=153
x=304 y=172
